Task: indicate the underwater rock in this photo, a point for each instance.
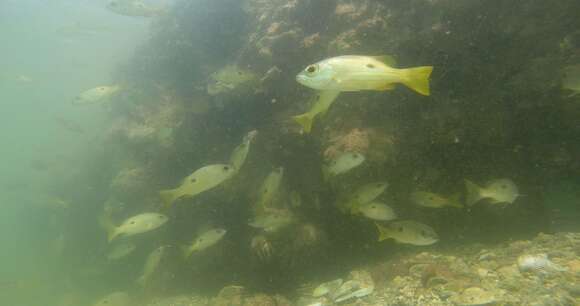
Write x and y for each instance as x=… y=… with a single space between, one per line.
x=474 y=296
x=181 y=300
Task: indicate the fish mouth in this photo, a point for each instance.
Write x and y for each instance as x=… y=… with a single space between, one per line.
x=300 y=78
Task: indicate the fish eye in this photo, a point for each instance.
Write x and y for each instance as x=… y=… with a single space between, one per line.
x=355 y=155
x=373 y=206
x=400 y=229
x=132 y=222
x=226 y=168
x=265 y=190
x=503 y=186
x=193 y=180
x=431 y=198
x=370 y=66
x=311 y=69
x=200 y=239
x=423 y=233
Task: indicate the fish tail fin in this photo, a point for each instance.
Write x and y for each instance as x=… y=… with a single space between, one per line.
x=305 y=120
x=454 y=200
x=167 y=198
x=383 y=232
x=107 y=224
x=473 y=193
x=417 y=79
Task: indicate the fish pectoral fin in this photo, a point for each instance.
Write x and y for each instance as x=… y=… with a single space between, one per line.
x=305 y=120
x=386 y=59
x=383 y=233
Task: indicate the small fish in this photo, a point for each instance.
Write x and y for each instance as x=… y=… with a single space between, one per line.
x=202 y=179
x=377 y=211
x=343 y=163
x=135 y=225
x=320 y=104
x=571 y=79
x=272 y=221
x=538 y=263
x=270 y=189
x=229 y=78
x=96 y=95
x=120 y=250
x=433 y=200
x=354 y=73
x=240 y=153
x=151 y=265
x=326 y=288
x=115 y=299
x=134 y=8
x=364 y=194
x=204 y=241
x=498 y=191
x=408 y=232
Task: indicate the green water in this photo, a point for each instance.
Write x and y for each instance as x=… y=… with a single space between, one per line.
x=497 y=110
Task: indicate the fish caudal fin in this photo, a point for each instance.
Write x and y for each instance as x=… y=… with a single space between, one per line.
x=305 y=120
x=473 y=193
x=383 y=232
x=454 y=201
x=107 y=224
x=167 y=198
x=417 y=79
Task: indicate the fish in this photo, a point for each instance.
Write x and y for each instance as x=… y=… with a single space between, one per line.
x=120 y=250
x=358 y=72
x=272 y=221
x=202 y=179
x=408 y=232
x=320 y=105
x=151 y=265
x=571 y=79
x=98 y=94
x=118 y=298
x=362 y=195
x=270 y=188
x=433 y=200
x=343 y=163
x=228 y=79
x=326 y=288
x=498 y=191
x=538 y=263
x=134 y=8
x=204 y=241
x=355 y=73
x=138 y=224
x=377 y=211
x=240 y=153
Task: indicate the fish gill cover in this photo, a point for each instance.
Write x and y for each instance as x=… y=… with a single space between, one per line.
x=461 y=132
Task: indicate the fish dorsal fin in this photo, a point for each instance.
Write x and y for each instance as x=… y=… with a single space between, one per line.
x=386 y=59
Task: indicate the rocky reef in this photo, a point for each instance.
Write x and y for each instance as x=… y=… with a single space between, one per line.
x=214 y=70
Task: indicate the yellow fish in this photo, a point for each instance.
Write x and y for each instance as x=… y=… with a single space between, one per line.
x=408 y=232
x=240 y=153
x=203 y=179
x=269 y=189
x=356 y=73
x=498 y=191
x=363 y=195
x=96 y=95
x=322 y=102
x=132 y=226
x=433 y=200
x=151 y=265
x=205 y=240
